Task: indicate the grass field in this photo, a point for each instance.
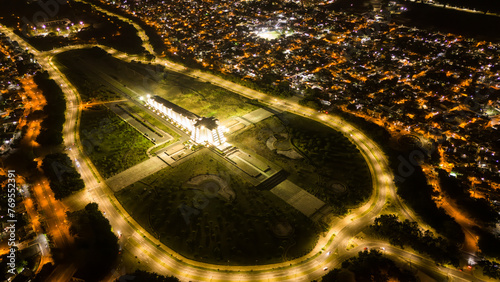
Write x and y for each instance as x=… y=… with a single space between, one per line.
x=330 y=158
x=89 y=87
x=97 y=74
x=202 y=98
x=111 y=144
x=205 y=227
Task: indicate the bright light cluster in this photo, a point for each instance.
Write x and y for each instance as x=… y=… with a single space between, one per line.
x=203 y=130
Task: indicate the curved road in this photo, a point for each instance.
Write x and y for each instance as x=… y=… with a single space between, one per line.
x=161 y=259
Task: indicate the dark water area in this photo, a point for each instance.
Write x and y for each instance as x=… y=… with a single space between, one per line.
x=478 y=26
x=492 y=6
x=436 y=19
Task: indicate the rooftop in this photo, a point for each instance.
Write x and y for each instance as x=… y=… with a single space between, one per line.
x=175 y=107
x=208 y=122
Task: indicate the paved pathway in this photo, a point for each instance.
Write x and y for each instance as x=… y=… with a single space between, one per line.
x=298 y=198
x=135 y=173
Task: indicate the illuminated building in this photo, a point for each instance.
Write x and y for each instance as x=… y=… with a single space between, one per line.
x=203 y=130
x=208 y=130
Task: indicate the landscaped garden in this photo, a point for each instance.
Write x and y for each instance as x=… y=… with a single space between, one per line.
x=204 y=211
x=319 y=159
x=111 y=144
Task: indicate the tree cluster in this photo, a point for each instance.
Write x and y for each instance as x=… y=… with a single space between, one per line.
x=329 y=152
x=115 y=33
x=154 y=38
x=96 y=246
x=376 y=132
x=417 y=193
x=479 y=209
x=490 y=268
x=311 y=102
x=371 y=266
x=44 y=273
x=312 y=96
x=412 y=188
x=63 y=177
x=407 y=233
x=52 y=125
x=488 y=242
x=143 y=276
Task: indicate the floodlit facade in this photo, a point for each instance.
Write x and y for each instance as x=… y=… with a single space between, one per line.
x=181 y=117
x=203 y=130
x=208 y=130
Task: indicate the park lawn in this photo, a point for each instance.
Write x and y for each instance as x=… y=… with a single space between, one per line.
x=202 y=98
x=111 y=144
x=90 y=88
x=329 y=158
x=208 y=228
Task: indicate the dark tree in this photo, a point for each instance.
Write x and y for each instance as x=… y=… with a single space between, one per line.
x=63 y=176
x=96 y=246
x=52 y=125
x=143 y=276
x=407 y=233
x=371 y=266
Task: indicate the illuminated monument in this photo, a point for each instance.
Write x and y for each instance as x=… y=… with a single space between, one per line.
x=203 y=130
